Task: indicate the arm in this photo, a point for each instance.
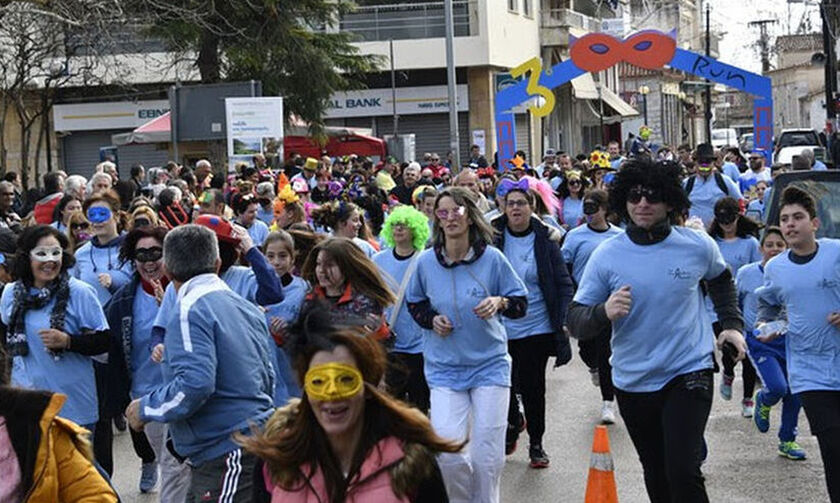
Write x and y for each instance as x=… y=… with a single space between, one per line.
x=722 y=292
x=90 y=342
x=767 y=312
x=517 y=306
x=192 y=358
x=422 y=312
x=269 y=289
x=587 y=322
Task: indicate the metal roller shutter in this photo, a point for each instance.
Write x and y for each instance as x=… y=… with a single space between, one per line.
x=80 y=150
x=523 y=135
x=431 y=132
x=148 y=154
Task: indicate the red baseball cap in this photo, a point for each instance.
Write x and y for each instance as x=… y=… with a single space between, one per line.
x=222 y=228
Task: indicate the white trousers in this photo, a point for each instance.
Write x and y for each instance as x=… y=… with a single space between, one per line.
x=480 y=414
x=174 y=476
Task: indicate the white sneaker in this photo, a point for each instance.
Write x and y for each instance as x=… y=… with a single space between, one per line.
x=593 y=374
x=608 y=412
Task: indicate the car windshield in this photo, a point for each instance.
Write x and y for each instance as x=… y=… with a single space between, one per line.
x=827 y=194
x=798 y=139
x=722 y=135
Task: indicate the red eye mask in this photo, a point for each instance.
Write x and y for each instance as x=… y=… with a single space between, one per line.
x=648 y=49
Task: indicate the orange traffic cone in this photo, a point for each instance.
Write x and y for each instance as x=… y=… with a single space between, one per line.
x=600 y=487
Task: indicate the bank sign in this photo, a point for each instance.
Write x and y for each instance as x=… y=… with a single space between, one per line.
x=107 y=115
x=410 y=101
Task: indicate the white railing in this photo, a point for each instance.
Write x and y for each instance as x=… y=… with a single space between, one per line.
x=409 y=21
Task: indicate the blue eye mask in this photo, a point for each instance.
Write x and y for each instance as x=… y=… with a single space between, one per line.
x=98 y=214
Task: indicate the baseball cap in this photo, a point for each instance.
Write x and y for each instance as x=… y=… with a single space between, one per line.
x=222 y=228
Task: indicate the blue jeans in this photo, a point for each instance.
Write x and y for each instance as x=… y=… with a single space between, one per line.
x=772 y=367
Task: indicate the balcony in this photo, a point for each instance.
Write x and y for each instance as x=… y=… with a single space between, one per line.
x=409 y=21
x=556 y=22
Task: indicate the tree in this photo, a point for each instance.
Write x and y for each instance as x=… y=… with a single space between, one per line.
x=285 y=44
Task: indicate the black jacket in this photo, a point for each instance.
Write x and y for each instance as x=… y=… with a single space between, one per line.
x=554 y=280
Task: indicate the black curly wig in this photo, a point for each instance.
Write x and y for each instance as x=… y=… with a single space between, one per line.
x=662 y=177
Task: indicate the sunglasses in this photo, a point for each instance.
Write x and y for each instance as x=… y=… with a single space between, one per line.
x=637 y=193
x=148 y=254
x=517 y=203
x=574 y=182
x=458 y=212
x=82 y=226
x=141 y=222
x=590 y=207
x=98 y=214
x=726 y=218
x=46 y=253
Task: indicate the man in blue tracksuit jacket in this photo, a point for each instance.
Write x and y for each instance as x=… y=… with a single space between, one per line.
x=207 y=398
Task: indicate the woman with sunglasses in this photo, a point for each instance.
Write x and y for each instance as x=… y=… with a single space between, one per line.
x=460 y=290
x=79 y=230
x=131 y=313
x=527 y=243
x=735 y=235
x=61 y=215
x=662 y=339
x=54 y=325
x=570 y=192
x=97 y=261
x=578 y=246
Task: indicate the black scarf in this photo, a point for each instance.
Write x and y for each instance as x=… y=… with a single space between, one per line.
x=658 y=232
x=16 y=343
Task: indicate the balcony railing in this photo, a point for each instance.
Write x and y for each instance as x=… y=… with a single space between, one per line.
x=410 y=21
x=557 y=18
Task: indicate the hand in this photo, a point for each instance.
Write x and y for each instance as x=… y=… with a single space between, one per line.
x=834 y=319
x=488 y=307
x=277 y=328
x=132 y=415
x=53 y=339
x=768 y=337
x=618 y=305
x=245 y=241
x=735 y=338
x=157 y=353
x=105 y=280
x=159 y=291
x=441 y=325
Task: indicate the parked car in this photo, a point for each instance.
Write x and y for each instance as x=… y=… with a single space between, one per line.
x=792 y=142
x=724 y=137
x=747 y=142
x=823 y=185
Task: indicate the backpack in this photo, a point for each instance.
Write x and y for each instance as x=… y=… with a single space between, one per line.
x=689 y=185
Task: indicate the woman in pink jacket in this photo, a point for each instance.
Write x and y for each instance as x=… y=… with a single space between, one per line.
x=345 y=440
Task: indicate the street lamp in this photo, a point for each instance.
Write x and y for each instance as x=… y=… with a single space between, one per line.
x=644 y=90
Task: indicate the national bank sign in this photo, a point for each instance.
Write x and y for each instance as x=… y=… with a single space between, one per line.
x=410 y=101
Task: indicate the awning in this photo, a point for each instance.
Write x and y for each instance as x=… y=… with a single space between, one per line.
x=616 y=103
x=156 y=130
x=584 y=87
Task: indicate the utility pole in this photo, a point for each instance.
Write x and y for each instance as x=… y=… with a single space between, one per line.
x=393 y=90
x=454 y=140
x=763 y=42
x=827 y=11
x=708 y=100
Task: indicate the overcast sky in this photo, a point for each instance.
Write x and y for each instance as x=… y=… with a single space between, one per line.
x=732 y=17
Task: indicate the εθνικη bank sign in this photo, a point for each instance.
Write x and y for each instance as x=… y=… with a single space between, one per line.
x=107 y=115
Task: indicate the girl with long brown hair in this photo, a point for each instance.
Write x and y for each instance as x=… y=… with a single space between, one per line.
x=344 y=278
x=345 y=440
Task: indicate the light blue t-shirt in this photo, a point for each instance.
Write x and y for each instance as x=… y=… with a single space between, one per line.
x=285 y=384
x=408 y=333
x=750 y=277
x=366 y=247
x=731 y=170
x=265 y=216
x=810 y=292
x=91 y=261
x=68 y=373
x=572 y=212
x=667 y=332
x=146 y=375
x=475 y=352
x=739 y=251
x=755 y=210
x=579 y=245
x=705 y=193
x=520 y=252
x=258 y=232
x=819 y=166
x=241 y=280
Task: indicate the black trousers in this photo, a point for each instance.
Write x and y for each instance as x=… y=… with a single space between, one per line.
x=596 y=353
x=141 y=446
x=666 y=427
x=748 y=373
x=103 y=437
x=406 y=380
x=823 y=411
x=530 y=357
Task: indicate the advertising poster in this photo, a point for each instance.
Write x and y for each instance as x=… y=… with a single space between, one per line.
x=254 y=126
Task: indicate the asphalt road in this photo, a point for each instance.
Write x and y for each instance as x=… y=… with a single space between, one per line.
x=742 y=465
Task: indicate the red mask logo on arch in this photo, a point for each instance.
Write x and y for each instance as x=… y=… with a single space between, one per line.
x=648 y=49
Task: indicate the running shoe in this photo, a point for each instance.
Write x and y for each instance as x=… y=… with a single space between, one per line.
x=119 y=423
x=608 y=412
x=148 y=477
x=593 y=375
x=761 y=418
x=791 y=450
x=512 y=434
x=539 y=459
x=747 y=407
x=726 y=387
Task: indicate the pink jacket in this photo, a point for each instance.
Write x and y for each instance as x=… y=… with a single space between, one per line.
x=371 y=485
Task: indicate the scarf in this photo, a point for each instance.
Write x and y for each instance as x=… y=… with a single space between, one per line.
x=16 y=343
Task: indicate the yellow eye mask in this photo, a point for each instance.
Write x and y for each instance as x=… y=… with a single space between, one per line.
x=332 y=381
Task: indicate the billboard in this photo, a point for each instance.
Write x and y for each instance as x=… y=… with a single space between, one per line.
x=254 y=126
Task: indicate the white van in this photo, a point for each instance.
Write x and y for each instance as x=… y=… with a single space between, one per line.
x=724 y=137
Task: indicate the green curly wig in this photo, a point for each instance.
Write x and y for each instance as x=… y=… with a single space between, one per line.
x=416 y=221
